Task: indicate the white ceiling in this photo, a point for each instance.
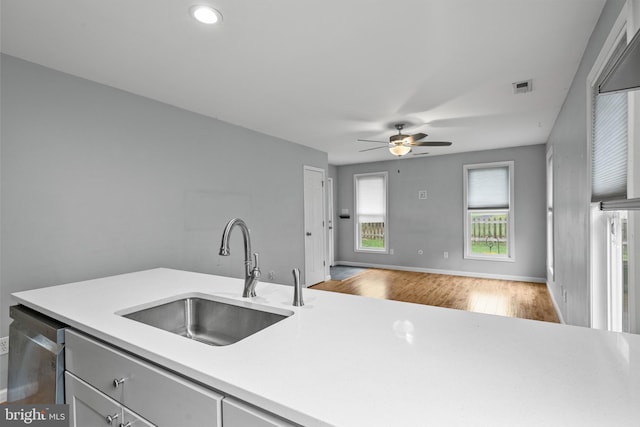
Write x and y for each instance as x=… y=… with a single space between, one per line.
x=324 y=73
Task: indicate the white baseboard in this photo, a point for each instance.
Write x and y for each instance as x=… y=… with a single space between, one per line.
x=555 y=305
x=3 y=395
x=449 y=272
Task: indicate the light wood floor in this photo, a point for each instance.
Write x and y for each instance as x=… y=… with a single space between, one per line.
x=501 y=297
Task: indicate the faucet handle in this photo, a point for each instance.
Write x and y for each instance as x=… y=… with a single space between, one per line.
x=255 y=272
x=297 y=288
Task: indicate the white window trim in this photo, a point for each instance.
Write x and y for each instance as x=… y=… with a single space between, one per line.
x=510 y=256
x=617 y=32
x=598 y=258
x=598 y=254
x=356 y=228
x=633 y=179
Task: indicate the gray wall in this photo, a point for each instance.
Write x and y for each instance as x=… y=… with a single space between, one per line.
x=435 y=225
x=333 y=174
x=572 y=186
x=97 y=181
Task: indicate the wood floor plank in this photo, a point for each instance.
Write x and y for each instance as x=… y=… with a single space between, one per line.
x=525 y=300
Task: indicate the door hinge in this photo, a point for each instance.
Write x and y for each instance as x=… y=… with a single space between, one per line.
x=322 y=183
x=324 y=264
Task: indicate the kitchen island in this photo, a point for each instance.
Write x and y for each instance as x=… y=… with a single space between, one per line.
x=346 y=360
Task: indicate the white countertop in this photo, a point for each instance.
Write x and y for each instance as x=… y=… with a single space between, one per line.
x=353 y=361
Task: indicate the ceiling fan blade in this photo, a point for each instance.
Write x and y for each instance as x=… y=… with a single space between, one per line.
x=432 y=143
x=371 y=140
x=418 y=136
x=369 y=149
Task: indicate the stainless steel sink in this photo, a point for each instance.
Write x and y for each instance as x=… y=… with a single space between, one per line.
x=209 y=321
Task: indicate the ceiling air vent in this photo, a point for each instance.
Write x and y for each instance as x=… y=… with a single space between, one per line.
x=522 y=87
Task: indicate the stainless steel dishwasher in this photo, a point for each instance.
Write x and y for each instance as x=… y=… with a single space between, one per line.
x=36 y=358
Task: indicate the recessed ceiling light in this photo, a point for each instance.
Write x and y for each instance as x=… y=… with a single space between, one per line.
x=206 y=14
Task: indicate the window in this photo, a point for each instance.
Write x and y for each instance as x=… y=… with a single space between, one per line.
x=618 y=272
x=610 y=139
x=371 y=227
x=609 y=142
x=488 y=197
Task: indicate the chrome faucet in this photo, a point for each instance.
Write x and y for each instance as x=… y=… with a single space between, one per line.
x=297 y=288
x=251 y=275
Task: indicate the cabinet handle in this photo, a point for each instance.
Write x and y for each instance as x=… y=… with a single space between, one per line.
x=117 y=382
x=128 y=424
x=111 y=418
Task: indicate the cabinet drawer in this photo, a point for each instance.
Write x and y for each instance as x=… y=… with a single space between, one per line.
x=89 y=407
x=160 y=396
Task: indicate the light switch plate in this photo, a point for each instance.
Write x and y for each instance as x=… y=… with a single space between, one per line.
x=422 y=194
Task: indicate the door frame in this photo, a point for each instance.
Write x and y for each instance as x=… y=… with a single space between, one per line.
x=324 y=220
x=330 y=223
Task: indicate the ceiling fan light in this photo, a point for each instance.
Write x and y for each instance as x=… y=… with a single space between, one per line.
x=399 y=150
x=399 y=139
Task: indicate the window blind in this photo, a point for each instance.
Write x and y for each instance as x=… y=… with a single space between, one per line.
x=371 y=206
x=609 y=142
x=488 y=188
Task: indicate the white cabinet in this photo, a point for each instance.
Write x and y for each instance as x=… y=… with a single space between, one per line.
x=133 y=420
x=90 y=408
x=107 y=386
x=159 y=396
x=238 y=414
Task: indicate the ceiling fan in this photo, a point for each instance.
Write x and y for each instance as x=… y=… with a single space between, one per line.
x=402 y=144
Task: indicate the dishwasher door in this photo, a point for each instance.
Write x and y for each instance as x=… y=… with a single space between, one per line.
x=36 y=358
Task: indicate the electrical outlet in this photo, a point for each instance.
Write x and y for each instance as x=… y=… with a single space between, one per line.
x=4 y=345
x=272 y=275
x=422 y=194
x=391 y=251
x=445 y=255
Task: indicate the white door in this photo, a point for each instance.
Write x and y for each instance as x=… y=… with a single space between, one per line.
x=314 y=216
x=332 y=257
